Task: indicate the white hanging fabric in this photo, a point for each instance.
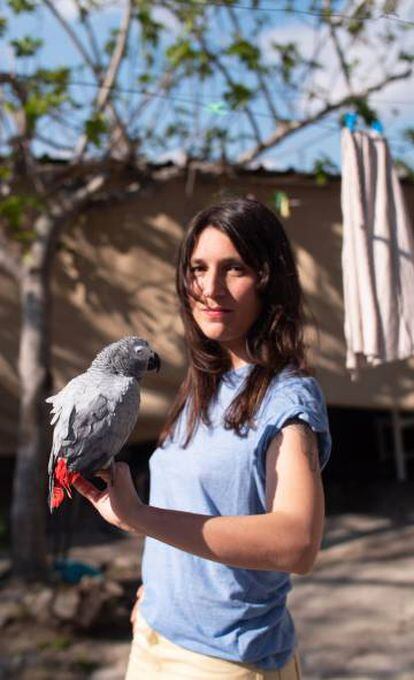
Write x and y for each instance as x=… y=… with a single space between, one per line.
x=377 y=255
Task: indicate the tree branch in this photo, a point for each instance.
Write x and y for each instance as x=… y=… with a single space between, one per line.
x=23 y=160
x=90 y=33
x=341 y=57
x=9 y=261
x=15 y=83
x=72 y=34
x=110 y=75
x=89 y=61
x=165 y=83
x=229 y=79
x=259 y=75
x=52 y=143
x=287 y=128
x=49 y=225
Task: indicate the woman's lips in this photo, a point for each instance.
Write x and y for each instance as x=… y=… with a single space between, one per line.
x=216 y=313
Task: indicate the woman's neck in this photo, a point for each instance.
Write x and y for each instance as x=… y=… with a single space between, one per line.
x=238 y=358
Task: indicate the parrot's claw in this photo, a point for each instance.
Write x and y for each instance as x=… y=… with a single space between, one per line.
x=112 y=472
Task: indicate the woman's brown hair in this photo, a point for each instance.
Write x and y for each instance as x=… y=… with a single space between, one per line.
x=274 y=341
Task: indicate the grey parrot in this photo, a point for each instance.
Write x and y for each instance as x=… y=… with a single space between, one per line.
x=94 y=414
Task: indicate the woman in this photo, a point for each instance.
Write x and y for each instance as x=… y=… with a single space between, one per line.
x=236 y=501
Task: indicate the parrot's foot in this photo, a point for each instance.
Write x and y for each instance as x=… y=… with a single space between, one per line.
x=107 y=473
x=112 y=472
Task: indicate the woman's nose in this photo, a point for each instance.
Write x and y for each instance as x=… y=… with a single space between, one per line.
x=212 y=284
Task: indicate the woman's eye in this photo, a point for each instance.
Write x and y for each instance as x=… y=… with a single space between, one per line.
x=237 y=268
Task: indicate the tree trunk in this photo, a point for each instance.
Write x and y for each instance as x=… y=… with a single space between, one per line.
x=29 y=546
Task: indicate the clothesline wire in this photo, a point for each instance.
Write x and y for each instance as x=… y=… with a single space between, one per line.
x=391 y=16
x=188 y=100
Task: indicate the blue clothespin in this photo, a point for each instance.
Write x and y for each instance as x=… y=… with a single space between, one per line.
x=377 y=126
x=350 y=120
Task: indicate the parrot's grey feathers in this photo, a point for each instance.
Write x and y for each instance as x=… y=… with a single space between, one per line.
x=90 y=424
x=94 y=414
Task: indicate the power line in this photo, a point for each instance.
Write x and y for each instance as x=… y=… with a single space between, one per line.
x=189 y=100
x=210 y=105
x=324 y=15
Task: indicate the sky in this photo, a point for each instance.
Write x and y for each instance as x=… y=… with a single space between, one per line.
x=394 y=105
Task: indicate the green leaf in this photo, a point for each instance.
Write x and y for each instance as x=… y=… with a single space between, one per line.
x=11 y=107
x=111 y=43
x=47 y=90
x=3 y=26
x=150 y=29
x=95 y=128
x=58 y=77
x=409 y=135
x=180 y=52
x=5 y=173
x=145 y=78
x=247 y=53
x=406 y=170
x=19 y=6
x=179 y=129
x=238 y=95
x=13 y=208
x=26 y=46
x=290 y=58
x=322 y=168
x=363 y=109
x=38 y=105
x=404 y=56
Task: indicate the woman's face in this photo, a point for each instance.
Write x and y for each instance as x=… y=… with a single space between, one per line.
x=229 y=303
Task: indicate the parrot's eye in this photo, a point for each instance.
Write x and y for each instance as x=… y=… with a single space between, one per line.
x=138 y=350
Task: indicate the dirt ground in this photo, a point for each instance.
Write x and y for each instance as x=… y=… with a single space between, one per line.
x=354 y=614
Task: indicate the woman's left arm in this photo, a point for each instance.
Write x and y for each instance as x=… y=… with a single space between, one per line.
x=285 y=538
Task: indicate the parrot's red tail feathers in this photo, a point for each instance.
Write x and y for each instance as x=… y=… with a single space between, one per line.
x=58 y=497
x=62 y=480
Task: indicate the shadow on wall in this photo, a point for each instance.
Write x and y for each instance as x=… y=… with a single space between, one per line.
x=113 y=276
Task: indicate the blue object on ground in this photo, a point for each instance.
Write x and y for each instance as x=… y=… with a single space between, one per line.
x=71 y=571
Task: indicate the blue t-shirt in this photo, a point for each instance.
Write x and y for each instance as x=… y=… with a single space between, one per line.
x=204 y=606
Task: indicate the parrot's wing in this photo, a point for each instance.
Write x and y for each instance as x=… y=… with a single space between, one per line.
x=63 y=404
x=92 y=419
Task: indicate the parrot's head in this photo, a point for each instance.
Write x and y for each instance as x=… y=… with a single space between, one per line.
x=130 y=356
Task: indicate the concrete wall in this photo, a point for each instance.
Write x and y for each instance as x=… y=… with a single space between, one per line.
x=116 y=278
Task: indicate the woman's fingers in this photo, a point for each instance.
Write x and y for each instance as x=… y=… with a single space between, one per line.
x=105 y=475
x=88 y=490
x=121 y=470
x=110 y=476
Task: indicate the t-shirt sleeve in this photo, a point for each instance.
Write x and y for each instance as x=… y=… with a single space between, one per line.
x=301 y=398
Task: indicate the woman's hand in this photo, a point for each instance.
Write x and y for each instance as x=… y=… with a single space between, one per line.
x=139 y=596
x=119 y=504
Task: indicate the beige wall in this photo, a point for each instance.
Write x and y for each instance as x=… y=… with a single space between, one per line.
x=117 y=278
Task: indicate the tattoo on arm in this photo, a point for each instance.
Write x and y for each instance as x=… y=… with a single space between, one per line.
x=309 y=439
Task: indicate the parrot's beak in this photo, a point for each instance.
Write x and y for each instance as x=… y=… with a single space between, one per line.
x=154 y=363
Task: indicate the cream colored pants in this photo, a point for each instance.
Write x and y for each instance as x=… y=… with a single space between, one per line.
x=153 y=657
